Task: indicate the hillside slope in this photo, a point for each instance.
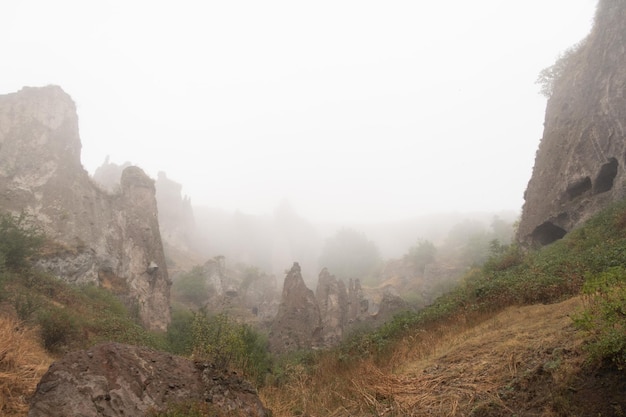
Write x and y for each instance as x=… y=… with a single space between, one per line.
x=523 y=361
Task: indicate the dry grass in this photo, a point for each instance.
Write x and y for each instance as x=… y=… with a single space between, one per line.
x=451 y=372
x=22 y=363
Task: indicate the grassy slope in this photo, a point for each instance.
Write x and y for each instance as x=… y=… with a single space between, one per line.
x=503 y=344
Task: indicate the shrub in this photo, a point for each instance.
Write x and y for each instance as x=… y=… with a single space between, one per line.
x=192 y=287
x=217 y=339
x=179 y=332
x=58 y=328
x=20 y=239
x=228 y=344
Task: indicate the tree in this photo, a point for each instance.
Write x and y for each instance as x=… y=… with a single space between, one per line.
x=421 y=255
x=192 y=287
x=548 y=76
x=349 y=254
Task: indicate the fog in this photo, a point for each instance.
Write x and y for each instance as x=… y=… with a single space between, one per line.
x=351 y=111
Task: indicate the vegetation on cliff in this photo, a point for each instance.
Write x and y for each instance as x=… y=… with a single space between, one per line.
x=560 y=348
x=527 y=332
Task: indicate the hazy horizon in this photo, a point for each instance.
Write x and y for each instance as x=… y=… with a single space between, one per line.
x=354 y=112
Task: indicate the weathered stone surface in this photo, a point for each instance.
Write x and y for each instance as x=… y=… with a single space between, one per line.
x=298 y=323
x=112 y=379
x=110 y=239
x=332 y=299
x=358 y=305
x=579 y=167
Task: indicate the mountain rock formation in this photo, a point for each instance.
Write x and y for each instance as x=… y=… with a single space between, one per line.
x=113 y=379
x=298 y=323
x=109 y=239
x=332 y=299
x=307 y=320
x=579 y=166
x=243 y=291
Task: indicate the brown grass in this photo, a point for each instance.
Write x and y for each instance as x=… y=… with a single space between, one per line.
x=454 y=371
x=22 y=363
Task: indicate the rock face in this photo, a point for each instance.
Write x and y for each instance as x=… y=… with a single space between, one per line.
x=332 y=299
x=110 y=239
x=243 y=292
x=120 y=380
x=579 y=167
x=358 y=305
x=298 y=323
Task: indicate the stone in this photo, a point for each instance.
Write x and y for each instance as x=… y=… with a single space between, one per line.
x=298 y=323
x=95 y=236
x=113 y=379
x=332 y=299
x=579 y=166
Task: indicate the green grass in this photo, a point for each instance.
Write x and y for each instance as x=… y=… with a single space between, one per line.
x=518 y=277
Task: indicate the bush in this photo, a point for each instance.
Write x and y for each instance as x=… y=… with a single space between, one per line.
x=20 y=239
x=227 y=344
x=192 y=287
x=217 y=339
x=179 y=332
x=58 y=328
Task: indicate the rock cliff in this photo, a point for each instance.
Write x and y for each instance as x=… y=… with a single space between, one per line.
x=298 y=324
x=579 y=166
x=332 y=299
x=113 y=379
x=110 y=239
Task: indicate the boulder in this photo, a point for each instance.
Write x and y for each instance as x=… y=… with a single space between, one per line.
x=114 y=380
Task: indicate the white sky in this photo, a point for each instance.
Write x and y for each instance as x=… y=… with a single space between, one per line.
x=351 y=110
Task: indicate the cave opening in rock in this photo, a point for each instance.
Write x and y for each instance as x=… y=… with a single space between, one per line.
x=547 y=232
x=604 y=180
x=578 y=188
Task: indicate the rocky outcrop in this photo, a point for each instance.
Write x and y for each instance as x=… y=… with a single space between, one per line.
x=119 y=380
x=110 y=239
x=332 y=299
x=298 y=323
x=579 y=167
x=358 y=304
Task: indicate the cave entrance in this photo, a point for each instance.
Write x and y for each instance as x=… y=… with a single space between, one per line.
x=546 y=233
x=604 y=180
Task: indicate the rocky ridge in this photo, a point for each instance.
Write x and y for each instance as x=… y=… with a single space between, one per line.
x=109 y=239
x=579 y=166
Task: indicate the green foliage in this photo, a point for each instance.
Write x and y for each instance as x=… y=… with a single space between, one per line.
x=227 y=344
x=549 y=76
x=192 y=287
x=590 y=258
x=20 y=239
x=604 y=317
x=58 y=327
x=349 y=254
x=216 y=339
x=180 y=332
